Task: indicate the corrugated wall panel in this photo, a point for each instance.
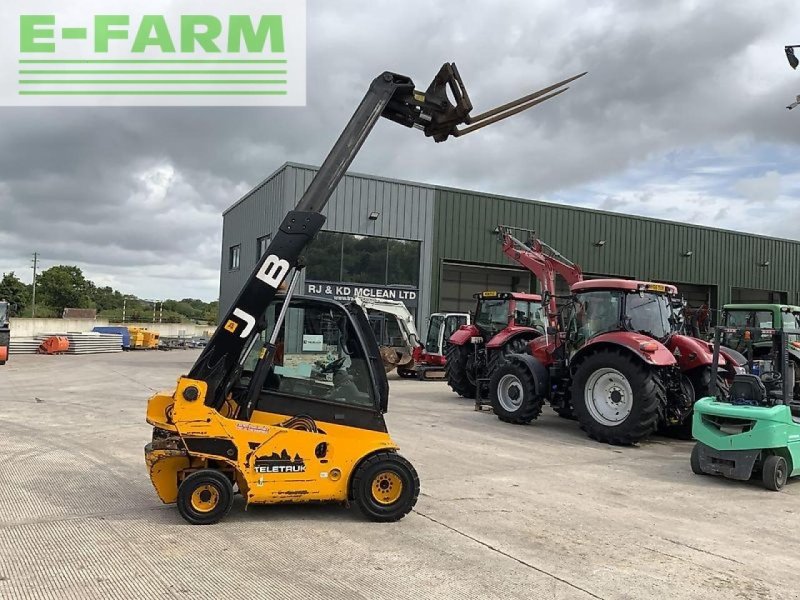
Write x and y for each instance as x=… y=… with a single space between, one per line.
x=635 y=246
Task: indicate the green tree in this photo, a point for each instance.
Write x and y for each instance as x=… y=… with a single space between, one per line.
x=64 y=286
x=15 y=292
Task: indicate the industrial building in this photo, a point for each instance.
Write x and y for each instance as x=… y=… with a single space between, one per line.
x=433 y=247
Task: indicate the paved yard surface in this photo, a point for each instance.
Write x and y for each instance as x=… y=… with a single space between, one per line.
x=505 y=512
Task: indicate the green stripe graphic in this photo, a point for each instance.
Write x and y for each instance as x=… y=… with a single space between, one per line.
x=146 y=72
x=151 y=81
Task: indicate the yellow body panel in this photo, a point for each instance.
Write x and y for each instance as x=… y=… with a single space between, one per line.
x=272 y=461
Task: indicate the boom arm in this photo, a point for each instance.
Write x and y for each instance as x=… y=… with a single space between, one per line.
x=392 y=96
x=543 y=261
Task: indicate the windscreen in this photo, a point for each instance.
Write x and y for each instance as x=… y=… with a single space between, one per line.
x=492 y=315
x=432 y=341
x=649 y=314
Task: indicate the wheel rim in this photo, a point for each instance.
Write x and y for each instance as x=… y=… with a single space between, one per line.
x=780 y=473
x=510 y=393
x=205 y=498
x=387 y=488
x=608 y=397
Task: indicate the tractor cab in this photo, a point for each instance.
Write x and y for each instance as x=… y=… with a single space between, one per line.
x=611 y=305
x=737 y=317
x=497 y=311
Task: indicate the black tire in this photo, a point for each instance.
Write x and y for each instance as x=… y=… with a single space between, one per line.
x=457 y=370
x=209 y=486
x=700 y=378
x=406 y=373
x=774 y=472
x=647 y=397
x=694 y=461
x=379 y=475
x=517 y=401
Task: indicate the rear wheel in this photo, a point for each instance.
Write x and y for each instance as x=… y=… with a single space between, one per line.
x=458 y=370
x=205 y=497
x=512 y=391
x=385 y=487
x=774 y=472
x=617 y=397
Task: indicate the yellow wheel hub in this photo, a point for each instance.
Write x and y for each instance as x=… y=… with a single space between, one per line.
x=387 y=487
x=205 y=498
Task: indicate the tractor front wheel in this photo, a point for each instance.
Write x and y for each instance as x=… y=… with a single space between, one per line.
x=458 y=370
x=512 y=391
x=385 y=487
x=616 y=397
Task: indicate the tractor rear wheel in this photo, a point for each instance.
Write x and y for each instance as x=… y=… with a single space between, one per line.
x=512 y=391
x=617 y=397
x=458 y=370
x=385 y=487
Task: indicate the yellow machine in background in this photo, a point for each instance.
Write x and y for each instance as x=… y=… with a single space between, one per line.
x=142 y=338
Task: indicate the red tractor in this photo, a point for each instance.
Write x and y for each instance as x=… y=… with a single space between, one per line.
x=611 y=357
x=505 y=323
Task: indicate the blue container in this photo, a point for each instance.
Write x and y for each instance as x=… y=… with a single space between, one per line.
x=123 y=331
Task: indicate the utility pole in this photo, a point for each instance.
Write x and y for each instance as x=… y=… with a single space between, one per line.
x=124 y=303
x=33 y=295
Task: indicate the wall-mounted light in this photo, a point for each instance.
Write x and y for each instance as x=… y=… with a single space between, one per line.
x=688 y=253
x=600 y=243
x=764 y=263
x=373 y=216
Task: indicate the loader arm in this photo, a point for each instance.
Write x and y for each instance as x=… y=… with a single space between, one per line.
x=543 y=261
x=391 y=96
x=397 y=309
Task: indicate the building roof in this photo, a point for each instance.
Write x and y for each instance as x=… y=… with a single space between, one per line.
x=511 y=198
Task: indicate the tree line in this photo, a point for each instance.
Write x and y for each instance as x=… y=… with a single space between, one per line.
x=65 y=286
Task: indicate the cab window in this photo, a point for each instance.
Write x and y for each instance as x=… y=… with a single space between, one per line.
x=318 y=356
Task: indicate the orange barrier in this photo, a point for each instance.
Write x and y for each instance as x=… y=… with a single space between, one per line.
x=54 y=345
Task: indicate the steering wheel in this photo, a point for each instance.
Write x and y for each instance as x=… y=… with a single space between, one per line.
x=334 y=366
x=771 y=378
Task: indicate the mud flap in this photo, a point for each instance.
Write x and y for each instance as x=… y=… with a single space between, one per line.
x=731 y=464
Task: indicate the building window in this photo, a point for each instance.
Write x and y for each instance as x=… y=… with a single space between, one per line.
x=233 y=257
x=262 y=244
x=364 y=259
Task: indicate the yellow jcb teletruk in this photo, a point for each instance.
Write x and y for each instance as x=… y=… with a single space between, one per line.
x=286 y=402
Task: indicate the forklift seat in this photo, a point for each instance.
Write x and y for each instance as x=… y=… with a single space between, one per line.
x=747 y=389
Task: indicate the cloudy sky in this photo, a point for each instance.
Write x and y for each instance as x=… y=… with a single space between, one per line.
x=682 y=117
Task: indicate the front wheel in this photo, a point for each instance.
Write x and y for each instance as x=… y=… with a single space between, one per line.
x=616 y=397
x=512 y=391
x=205 y=497
x=459 y=371
x=385 y=487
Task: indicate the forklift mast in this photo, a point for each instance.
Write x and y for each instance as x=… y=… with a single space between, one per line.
x=391 y=96
x=543 y=261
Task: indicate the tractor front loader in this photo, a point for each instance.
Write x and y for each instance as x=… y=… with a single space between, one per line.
x=286 y=401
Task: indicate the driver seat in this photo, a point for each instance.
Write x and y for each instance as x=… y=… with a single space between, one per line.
x=747 y=390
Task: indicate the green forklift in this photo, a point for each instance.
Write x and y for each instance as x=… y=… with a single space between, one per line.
x=753 y=427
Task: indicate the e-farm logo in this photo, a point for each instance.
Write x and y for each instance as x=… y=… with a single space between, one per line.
x=154 y=53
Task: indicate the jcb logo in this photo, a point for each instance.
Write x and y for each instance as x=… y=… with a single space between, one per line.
x=273 y=271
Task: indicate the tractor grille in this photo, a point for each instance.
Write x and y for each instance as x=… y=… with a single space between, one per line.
x=729 y=425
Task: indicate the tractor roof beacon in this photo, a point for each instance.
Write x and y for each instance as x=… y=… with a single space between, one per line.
x=286 y=401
